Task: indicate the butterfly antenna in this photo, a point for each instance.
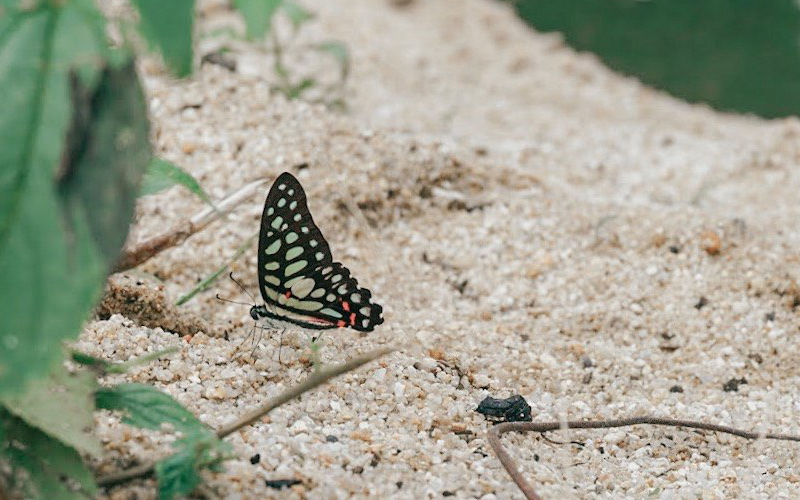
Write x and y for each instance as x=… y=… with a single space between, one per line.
x=232 y=301
x=242 y=287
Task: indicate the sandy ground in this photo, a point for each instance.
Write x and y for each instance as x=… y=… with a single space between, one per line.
x=531 y=222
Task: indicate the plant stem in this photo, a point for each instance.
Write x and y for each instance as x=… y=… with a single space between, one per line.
x=314 y=380
x=527 y=489
x=178 y=234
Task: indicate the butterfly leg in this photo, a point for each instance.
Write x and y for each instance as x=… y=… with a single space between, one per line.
x=258 y=342
x=251 y=333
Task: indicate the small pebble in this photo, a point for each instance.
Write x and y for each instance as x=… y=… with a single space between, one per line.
x=614 y=437
x=481 y=381
x=710 y=242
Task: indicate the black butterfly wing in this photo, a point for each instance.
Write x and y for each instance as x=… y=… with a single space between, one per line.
x=297 y=277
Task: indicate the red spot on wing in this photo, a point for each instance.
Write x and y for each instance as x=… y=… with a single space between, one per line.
x=352 y=317
x=341 y=324
x=288 y=294
x=346 y=306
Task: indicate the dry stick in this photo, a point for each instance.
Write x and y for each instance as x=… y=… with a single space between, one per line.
x=178 y=234
x=527 y=489
x=315 y=379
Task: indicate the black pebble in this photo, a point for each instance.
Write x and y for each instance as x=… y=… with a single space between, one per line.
x=255 y=458
x=279 y=484
x=770 y=316
x=448 y=494
x=733 y=384
x=331 y=438
x=701 y=303
x=676 y=388
x=674 y=249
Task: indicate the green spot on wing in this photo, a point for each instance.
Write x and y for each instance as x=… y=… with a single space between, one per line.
x=302 y=287
x=330 y=312
x=293 y=252
x=295 y=267
x=270 y=250
x=290 y=283
x=276 y=222
x=304 y=305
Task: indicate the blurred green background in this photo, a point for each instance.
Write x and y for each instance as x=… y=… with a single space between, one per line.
x=736 y=55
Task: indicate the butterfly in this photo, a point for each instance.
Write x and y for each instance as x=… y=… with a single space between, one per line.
x=298 y=279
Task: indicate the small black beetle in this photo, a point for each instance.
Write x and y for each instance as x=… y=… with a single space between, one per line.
x=513 y=409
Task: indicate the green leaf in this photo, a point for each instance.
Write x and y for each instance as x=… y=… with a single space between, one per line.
x=179 y=473
x=65 y=202
x=46 y=463
x=103 y=366
x=295 y=91
x=60 y=405
x=338 y=51
x=90 y=361
x=142 y=360
x=257 y=15
x=162 y=174
x=168 y=26
x=99 y=181
x=203 y=285
x=147 y=407
x=714 y=51
x=296 y=13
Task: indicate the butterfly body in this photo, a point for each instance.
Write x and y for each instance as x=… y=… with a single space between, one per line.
x=297 y=277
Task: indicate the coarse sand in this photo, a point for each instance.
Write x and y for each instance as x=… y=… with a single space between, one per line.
x=531 y=222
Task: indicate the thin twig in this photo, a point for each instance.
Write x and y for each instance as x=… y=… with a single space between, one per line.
x=203 y=285
x=317 y=378
x=178 y=234
x=527 y=488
